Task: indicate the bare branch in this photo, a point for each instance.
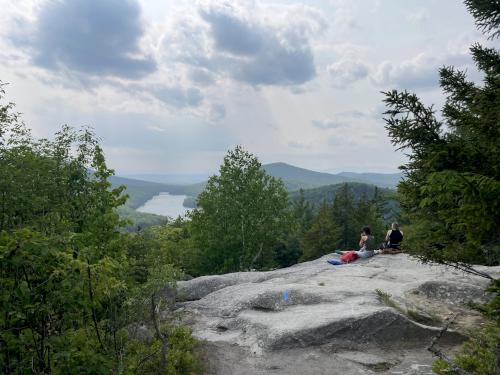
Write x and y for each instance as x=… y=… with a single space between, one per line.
x=438 y=353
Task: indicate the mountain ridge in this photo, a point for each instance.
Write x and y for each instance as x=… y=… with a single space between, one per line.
x=294 y=178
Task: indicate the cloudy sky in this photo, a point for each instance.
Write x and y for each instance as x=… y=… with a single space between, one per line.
x=170 y=85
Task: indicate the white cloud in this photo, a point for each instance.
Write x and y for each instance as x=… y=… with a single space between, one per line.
x=346 y=72
x=350 y=66
x=420 y=71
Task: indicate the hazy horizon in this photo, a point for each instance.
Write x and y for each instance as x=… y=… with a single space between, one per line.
x=170 y=86
x=215 y=171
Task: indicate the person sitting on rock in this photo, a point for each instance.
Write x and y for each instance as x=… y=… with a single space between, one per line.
x=367 y=244
x=393 y=239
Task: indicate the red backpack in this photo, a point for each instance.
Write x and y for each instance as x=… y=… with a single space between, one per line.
x=349 y=257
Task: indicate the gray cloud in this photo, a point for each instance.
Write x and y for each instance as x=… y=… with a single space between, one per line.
x=97 y=37
x=239 y=43
x=276 y=65
x=328 y=124
x=178 y=96
x=201 y=77
x=231 y=34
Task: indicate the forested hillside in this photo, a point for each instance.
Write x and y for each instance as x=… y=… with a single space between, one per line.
x=318 y=188
x=296 y=178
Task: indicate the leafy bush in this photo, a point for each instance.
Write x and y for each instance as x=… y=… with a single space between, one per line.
x=68 y=293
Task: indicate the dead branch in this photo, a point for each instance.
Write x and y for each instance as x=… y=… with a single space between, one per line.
x=439 y=353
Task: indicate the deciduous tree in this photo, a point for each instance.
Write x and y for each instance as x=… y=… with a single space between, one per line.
x=241 y=215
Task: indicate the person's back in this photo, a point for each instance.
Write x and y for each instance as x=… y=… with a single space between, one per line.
x=394 y=237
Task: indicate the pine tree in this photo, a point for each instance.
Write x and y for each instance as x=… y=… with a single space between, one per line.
x=303 y=212
x=323 y=237
x=367 y=214
x=343 y=214
x=452 y=184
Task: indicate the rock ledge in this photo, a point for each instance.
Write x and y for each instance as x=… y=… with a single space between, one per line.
x=315 y=318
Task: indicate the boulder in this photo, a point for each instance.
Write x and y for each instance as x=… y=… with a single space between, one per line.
x=367 y=315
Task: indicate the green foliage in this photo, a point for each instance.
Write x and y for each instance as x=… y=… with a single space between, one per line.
x=68 y=292
x=486 y=14
x=387 y=300
x=344 y=215
x=338 y=225
x=241 y=215
x=181 y=360
x=452 y=178
x=317 y=196
x=480 y=355
x=289 y=250
x=323 y=237
x=145 y=357
x=136 y=221
x=168 y=244
x=303 y=212
x=452 y=184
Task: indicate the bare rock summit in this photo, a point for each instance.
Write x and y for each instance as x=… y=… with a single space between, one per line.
x=375 y=315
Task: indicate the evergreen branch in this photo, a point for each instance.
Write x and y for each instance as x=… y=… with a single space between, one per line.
x=487 y=15
x=467 y=268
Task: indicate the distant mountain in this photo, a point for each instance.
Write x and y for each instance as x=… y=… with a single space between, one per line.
x=318 y=187
x=296 y=178
x=171 y=179
x=378 y=179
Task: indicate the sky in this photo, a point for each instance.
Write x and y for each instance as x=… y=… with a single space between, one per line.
x=170 y=85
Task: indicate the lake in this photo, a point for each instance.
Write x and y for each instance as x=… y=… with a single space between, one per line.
x=165 y=204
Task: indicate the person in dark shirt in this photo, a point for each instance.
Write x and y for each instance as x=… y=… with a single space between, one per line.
x=393 y=239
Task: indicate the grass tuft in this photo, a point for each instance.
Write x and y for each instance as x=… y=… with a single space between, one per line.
x=414 y=315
